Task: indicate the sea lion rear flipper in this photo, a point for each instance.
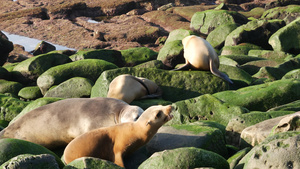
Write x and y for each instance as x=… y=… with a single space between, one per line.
x=187 y=66
x=216 y=72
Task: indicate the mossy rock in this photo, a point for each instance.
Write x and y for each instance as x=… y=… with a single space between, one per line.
x=30 y=161
x=217 y=37
x=187 y=157
x=145 y=103
x=293 y=106
x=233 y=160
x=254 y=13
x=242 y=59
x=135 y=56
x=287 y=13
x=91 y=162
x=88 y=68
x=205 y=107
x=263 y=97
x=294 y=74
x=77 y=87
x=33 y=67
x=10 y=107
x=240 y=49
x=112 y=56
x=272 y=55
x=4 y=74
x=9 y=67
x=227 y=61
x=277 y=72
x=236 y=73
x=35 y=104
x=206 y=21
x=151 y=64
x=256 y=32
x=10 y=87
x=287 y=38
x=253 y=67
x=179 y=34
x=279 y=150
x=30 y=93
x=42 y=48
x=176 y=85
x=10 y=148
x=171 y=54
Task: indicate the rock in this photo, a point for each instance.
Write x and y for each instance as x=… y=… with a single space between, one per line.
x=135 y=56
x=278 y=56
x=234 y=160
x=287 y=13
x=242 y=59
x=227 y=61
x=30 y=93
x=151 y=64
x=37 y=12
x=204 y=135
x=35 y=104
x=202 y=23
x=18 y=54
x=293 y=74
x=188 y=11
x=145 y=103
x=240 y=49
x=10 y=107
x=280 y=151
x=217 y=37
x=91 y=162
x=29 y=161
x=262 y=97
x=176 y=85
x=256 y=32
x=112 y=56
x=204 y=107
x=236 y=73
x=187 y=157
x=88 y=68
x=179 y=34
x=277 y=72
x=168 y=21
x=42 y=48
x=4 y=74
x=253 y=67
x=293 y=106
x=33 y=67
x=10 y=87
x=6 y=46
x=259 y=132
x=254 y=13
x=286 y=39
x=237 y=124
x=76 y=87
x=171 y=54
x=10 y=148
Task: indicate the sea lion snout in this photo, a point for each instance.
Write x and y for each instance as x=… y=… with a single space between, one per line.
x=168 y=112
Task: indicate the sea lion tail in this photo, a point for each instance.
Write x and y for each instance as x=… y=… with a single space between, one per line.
x=216 y=72
x=184 y=67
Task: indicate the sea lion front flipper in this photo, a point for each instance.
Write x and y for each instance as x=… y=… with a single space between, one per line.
x=216 y=72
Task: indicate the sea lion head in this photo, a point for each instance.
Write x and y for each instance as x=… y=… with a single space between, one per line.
x=130 y=114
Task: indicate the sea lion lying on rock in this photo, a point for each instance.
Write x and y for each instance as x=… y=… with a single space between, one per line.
x=199 y=54
x=58 y=123
x=128 y=88
x=112 y=143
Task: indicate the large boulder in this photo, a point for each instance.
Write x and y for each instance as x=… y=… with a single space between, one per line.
x=206 y=21
x=10 y=87
x=171 y=54
x=88 y=68
x=199 y=134
x=264 y=96
x=10 y=148
x=239 y=49
x=176 y=85
x=287 y=13
x=10 y=107
x=33 y=67
x=30 y=161
x=205 y=107
x=287 y=38
x=91 y=162
x=135 y=56
x=76 y=87
x=186 y=157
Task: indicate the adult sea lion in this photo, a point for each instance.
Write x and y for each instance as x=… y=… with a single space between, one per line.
x=199 y=54
x=128 y=88
x=58 y=123
x=113 y=143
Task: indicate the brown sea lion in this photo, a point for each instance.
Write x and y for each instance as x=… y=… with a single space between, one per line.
x=56 y=124
x=115 y=142
x=128 y=88
x=200 y=55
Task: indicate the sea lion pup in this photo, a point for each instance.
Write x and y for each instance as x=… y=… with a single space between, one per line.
x=115 y=142
x=56 y=124
x=128 y=88
x=199 y=54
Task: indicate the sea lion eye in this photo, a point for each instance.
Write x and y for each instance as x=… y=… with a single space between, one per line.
x=158 y=115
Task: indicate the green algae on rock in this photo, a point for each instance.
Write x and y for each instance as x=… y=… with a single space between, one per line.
x=10 y=87
x=30 y=93
x=88 y=68
x=91 y=162
x=135 y=56
x=10 y=107
x=171 y=54
x=186 y=157
x=176 y=85
x=293 y=74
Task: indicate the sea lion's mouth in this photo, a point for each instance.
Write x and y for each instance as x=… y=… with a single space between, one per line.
x=168 y=118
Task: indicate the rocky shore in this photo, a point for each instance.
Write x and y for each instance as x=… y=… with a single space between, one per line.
x=252 y=123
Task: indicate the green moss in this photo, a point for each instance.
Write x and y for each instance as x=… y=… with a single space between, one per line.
x=135 y=56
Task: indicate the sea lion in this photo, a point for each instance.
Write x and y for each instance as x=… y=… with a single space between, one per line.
x=128 y=88
x=199 y=54
x=115 y=142
x=56 y=124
